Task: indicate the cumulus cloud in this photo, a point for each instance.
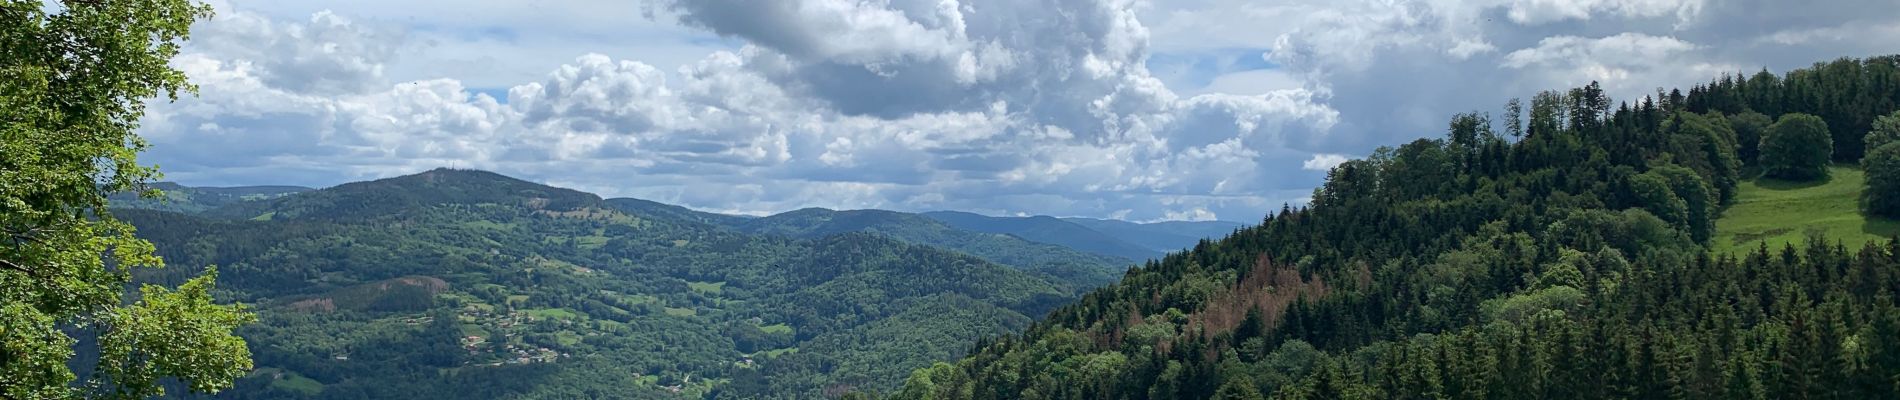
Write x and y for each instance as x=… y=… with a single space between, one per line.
x=913 y=105
x=1197 y=214
x=328 y=54
x=1323 y=162
x=1572 y=50
x=995 y=106
x=1546 y=11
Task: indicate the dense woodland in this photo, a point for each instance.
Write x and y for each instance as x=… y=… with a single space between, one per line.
x=459 y=284
x=1556 y=252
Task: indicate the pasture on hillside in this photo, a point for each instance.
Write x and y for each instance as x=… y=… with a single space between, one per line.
x=1780 y=212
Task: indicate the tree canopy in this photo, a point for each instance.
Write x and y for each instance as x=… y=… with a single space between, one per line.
x=73 y=80
x=1882 y=165
x=1749 y=127
x=1796 y=147
x=1570 y=264
x=1886 y=130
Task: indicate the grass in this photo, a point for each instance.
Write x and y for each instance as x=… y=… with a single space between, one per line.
x=265 y=216
x=1780 y=213
x=551 y=313
x=776 y=328
x=642 y=299
x=490 y=225
x=712 y=288
x=590 y=242
x=681 y=312
x=291 y=381
x=567 y=338
x=474 y=330
x=774 y=353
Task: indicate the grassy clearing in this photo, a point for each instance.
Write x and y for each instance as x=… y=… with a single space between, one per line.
x=712 y=288
x=779 y=352
x=776 y=328
x=290 y=381
x=490 y=225
x=681 y=312
x=567 y=338
x=1780 y=213
x=590 y=242
x=551 y=313
x=642 y=299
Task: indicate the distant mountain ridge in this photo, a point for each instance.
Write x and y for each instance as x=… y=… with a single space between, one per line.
x=1163 y=237
x=392 y=195
x=187 y=199
x=1047 y=230
x=662 y=210
x=1139 y=241
x=459 y=284
x=1066 y=263
x=1102 y=242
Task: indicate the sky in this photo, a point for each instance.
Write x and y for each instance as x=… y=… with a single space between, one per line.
x=1124 y=109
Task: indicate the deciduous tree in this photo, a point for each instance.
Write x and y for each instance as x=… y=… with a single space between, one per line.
x=1882 y=165
x=1797 y=147
x=73 y=80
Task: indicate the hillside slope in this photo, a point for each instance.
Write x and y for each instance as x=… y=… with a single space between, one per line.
x=659 y=210
x=1085 y=269
x=1163 y=237
x=442 y=186
x=1047 y=230
x=467 y=284
x=191 y=200
x=1776 y=214
x=1566 y=260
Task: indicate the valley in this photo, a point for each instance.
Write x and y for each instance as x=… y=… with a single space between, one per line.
x=413 y=285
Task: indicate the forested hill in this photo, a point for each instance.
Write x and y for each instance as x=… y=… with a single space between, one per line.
x=1047 y=230
x=466 y=284
x=1066 y=264
x=1557 y=251
x=187 y=199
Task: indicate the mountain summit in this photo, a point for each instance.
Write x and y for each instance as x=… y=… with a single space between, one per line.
x=439 y=186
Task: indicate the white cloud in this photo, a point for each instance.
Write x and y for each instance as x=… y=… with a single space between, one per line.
x=1253 y=82
x=1323 y=162
x=1547 y=11
x=1196 y=214
x=769 y=127
x=1626 y=48
x=984 y=105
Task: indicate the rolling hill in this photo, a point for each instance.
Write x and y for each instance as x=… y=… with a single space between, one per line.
x=1066 y=264
x=186 y=199
x=1566 y=257
x=1047 y=230
x=434 y=285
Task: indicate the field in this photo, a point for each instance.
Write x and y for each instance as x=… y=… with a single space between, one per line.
x=290 y=381
x=1780 y=213
x=712 y=288
x=777 y=328
x=551 y=313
